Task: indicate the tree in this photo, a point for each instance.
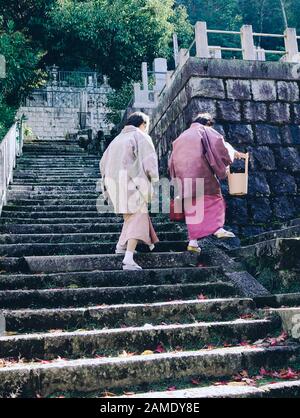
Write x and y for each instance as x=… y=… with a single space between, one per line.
x=114 y=35
x=22 y=72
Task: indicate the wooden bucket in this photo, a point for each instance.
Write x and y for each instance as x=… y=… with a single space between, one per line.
x=238 y=182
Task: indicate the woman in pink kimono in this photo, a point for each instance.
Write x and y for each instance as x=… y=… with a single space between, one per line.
x=202 y=153
x=129 y=167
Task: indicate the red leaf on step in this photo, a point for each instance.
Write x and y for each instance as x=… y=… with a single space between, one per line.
x=171 y=389
x=289 y=374
x=202 y=297
x=283 y=337
x=244 y=344
x=195 y=382
x=247 y=316
x=263 y=372
x=209 y=347
x=160 y=349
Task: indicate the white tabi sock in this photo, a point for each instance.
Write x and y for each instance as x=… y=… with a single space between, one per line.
x=128 y=259
x=193 y=243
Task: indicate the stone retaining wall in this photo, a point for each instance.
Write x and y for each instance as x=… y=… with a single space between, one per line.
x=256 y=106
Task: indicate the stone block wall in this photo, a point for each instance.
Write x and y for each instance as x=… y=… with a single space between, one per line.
x=256 y=107
x=51 y=122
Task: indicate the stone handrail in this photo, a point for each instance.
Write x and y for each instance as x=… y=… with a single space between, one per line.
x=248 y=50
x=10 y=148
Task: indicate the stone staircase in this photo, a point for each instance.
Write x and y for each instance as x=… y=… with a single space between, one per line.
x=77 y=325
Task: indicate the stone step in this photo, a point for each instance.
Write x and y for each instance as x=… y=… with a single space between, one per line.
x=48 y=146
x=54 y=189
x=39 y=203
x=71 y=228
x=78 y=238
x=59 y=220
x=285 y=389
x=62 y=166
x=50 y=298
x=37 y=159
x=77 y=263
x=56 y=181
x=47 y=249
x=94 y=214
x=292 y=231
x=33 y=197
x=111 y=278
x=45 y=171
x=96 y=375
x=52 y=153
x=111 y=342
x=289 y=250
x=288 y=299
x=62 y=174
x=37 y=320
x=93 y=218
x=13 y=209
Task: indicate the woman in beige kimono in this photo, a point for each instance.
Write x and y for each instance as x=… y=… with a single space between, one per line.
x=129 y=166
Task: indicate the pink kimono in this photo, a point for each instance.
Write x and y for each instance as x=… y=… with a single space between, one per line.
x=202 y=153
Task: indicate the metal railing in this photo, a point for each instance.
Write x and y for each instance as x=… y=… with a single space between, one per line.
x=64 y=99
x=62 y=78
x=10 y=148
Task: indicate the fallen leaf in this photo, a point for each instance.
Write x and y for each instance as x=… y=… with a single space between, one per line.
x=129 y=393
x=220 y=384
x=289 y=374
x=202 y=297
x=126 y=354
x=209 y=347
x=160 y=349
x=172 y=388
x=237 y=384
x=195 y=382
x=247 y=316
x=147 y=353
x=263 y=372
x=108 y=394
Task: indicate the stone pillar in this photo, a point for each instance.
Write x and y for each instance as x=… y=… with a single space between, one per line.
x=260 y=54
x=145 y=76
x=184 y=55
x=169 y=78
x=291 y=45
x=2 y=324
x=249 y=51
x=176 y=48
x=83 y=102
x=160 y=68
x=215 y=52
x=202 y=49
x=54 y=72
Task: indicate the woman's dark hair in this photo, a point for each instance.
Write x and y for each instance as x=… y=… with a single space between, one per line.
x=137 y=119
x=205 y=119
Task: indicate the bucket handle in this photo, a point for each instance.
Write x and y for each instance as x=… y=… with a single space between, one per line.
x=247 y=163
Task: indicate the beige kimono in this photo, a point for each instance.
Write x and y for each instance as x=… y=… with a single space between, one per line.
x=129 y=167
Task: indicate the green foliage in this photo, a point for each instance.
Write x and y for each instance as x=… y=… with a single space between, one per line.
x=264 y=15
x=118 y=101
x=116 y=36
x=22 y=72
